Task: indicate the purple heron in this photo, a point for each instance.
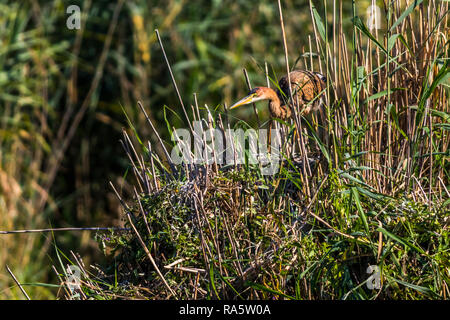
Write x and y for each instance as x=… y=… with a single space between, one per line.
x=306 y=86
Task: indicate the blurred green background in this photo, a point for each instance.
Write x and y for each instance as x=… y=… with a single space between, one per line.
x=63 y=94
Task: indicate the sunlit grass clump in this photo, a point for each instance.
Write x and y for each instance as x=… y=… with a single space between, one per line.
x=240 y=239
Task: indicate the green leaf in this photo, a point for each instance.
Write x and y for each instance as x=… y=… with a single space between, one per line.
x=393 y=39
x=358 y=23
x=382 y=94
x=396 y=123
x=354 y=179
x=421 y=289
x=263 y=288
x=40 y=284
x=361 y=210
x=370 y=194
x=229 y=284
x=446 y=203
x=406 y=13
x=212 y=280
x=319 y=23
x=436 y=113
x=442 y=76
x=400 y=240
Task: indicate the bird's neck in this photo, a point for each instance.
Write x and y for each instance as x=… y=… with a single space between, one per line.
x=276 y=108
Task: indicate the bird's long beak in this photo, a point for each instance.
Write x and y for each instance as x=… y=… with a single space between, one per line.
x=246 y=100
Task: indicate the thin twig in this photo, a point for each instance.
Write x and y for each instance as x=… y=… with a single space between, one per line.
x=17 y=282
x=65 y=229
x=286 y=57
x=249 y=85
x=173 y=80
x=166 y=153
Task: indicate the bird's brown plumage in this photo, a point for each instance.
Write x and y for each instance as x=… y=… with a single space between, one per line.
x=305 y=86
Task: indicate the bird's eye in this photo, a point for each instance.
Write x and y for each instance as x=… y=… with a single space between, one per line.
x=321 y=77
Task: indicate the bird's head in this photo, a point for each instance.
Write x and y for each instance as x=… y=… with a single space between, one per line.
x=256 y=94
